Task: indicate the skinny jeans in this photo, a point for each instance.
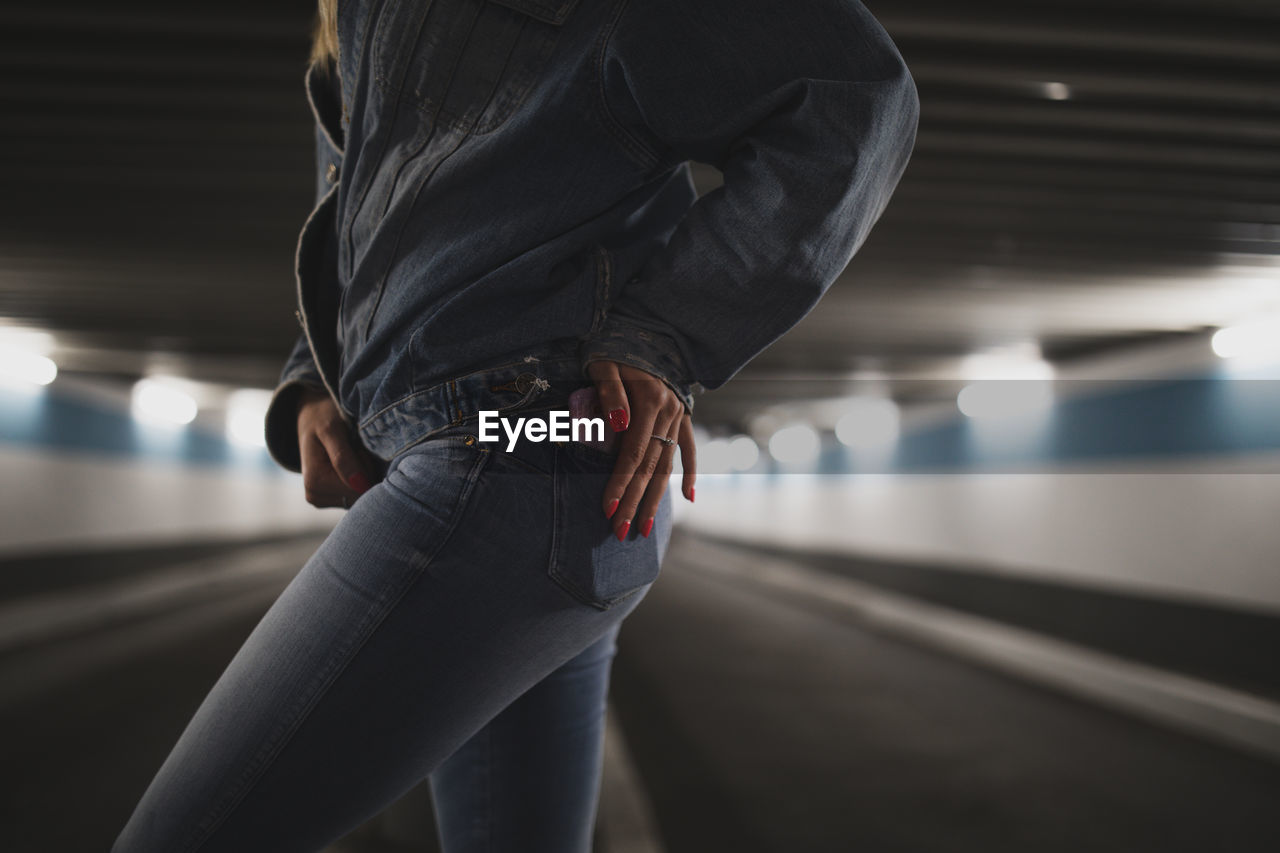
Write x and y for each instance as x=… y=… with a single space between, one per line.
x=457 y=625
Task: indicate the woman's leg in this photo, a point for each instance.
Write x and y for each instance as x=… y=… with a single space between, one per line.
x=425 y=613
x=529 y=781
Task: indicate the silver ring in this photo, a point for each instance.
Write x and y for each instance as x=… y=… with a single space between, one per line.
x=668 y=442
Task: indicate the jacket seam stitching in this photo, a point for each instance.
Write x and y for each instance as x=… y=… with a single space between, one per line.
x=302 y=313
x=634 y=147
x=604 y=288
x=442 y=386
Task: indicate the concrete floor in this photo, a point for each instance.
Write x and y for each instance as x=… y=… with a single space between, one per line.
x=764 y=724
x=79 y=751
x=758 y=723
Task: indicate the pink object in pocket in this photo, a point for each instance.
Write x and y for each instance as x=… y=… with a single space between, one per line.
x=585 y=403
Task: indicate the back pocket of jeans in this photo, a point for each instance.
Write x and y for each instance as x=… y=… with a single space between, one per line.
x=587 y=560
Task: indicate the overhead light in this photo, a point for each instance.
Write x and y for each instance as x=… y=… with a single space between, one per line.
x=796 y=444
x=742 y=453
x=1003 y=398
x=26 y=338
x=869 y=423
x=1016 y=361
x=1008 y=381
x=1056 y=91
x=158 y=400
x=766 y=423
x=714 y=457
x=22 y=366
x=24 y=356
x=1256 y=340
x=246 y=413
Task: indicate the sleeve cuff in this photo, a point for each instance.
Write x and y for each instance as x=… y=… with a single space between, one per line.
x=650 y=351
x=282 y=423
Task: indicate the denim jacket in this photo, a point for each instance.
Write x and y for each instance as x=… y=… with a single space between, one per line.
x=495 y=176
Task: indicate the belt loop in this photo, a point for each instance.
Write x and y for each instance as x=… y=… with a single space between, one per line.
x=420 y=415
x=454 y=402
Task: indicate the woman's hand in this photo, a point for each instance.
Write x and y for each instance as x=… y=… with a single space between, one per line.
x=641 y=406
x=332 y=473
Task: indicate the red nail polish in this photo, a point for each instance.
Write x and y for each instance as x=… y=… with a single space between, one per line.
x=613 y=507
x=691 y=489
x=359 y=482
x=618 y=419
x=647 y=529
x=622 y=530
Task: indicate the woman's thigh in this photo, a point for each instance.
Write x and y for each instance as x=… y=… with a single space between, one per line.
x=426 y=612
x=529 y=781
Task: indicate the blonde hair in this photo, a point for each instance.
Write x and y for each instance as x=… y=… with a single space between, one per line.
x=324 y=34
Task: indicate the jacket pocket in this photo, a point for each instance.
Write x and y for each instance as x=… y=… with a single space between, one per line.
x=466 y=64
x=587 y=560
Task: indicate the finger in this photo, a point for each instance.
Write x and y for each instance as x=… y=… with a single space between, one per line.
x=648 y=509
x=343 y=458
x=644 y=473
x=314 y=457
x=631 y=458
x=332 y=492
x=612 y=393
x=637 y=489
x=688 y=457
x=321 y=483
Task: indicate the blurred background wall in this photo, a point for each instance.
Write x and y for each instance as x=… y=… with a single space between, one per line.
x=83 y=470
x=1163 y=486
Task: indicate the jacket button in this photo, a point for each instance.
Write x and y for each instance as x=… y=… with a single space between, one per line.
x=331 y=174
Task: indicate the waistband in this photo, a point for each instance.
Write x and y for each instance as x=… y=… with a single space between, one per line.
x=532 y=380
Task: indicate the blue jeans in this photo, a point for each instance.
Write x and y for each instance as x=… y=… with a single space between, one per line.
x=457 y=624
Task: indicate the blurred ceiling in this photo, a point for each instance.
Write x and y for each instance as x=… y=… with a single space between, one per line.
x=1088 y=176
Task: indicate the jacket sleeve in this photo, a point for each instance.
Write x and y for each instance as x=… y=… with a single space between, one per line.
x=300 y=371
x=299 y=375
x=810 y=113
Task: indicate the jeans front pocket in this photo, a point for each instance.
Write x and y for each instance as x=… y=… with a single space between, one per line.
x=438 y=477
x=587 y=560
